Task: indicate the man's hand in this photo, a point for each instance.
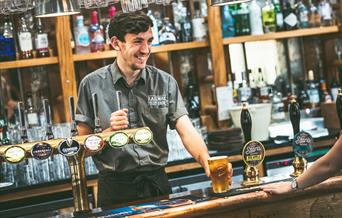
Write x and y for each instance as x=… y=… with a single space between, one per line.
x=119 y=119
x=278 y=188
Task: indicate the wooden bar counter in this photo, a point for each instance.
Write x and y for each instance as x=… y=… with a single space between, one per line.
x=322 y=200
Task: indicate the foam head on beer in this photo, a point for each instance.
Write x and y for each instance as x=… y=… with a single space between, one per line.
x=220 y=170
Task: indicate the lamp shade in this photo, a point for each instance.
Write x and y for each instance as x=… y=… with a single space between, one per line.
x=55 y=8
x=226 y=2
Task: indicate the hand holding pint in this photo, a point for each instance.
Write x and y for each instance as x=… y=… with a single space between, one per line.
x=221 y=173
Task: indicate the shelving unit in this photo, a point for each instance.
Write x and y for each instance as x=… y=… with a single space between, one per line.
x=28 y=63
x=283 y=35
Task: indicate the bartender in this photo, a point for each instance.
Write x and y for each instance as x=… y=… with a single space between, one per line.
x=150 y=97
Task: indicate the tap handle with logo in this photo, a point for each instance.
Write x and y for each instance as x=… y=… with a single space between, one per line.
x=72 y=116
x=339 y=106
x=22 y=121
x=96 y=114
x=294 y=114
x=246 y=123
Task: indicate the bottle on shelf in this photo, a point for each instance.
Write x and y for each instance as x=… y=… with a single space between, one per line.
x=314 y=16
x=313 y=91
x=303 y=14
x=192 y=102
x=186 y=27
x=82 y=39
x=303 y=97
x=25 y=40
x=244 y=92
x=199 y=31
x=4 y=128
x=155 y=31
x=228 y=29
x=325 y=11
x=31 y=112
x=269 y=17
x=263 y=88
x=279 y=16
x=7 y=44
x=111 y=14
x=167 y=34
x=334 y=87
x=325 y=96
x=255 y=18
x=290 y=18
x=41 y=41
x=96 y=34
x=278 y=113
x=241 y=16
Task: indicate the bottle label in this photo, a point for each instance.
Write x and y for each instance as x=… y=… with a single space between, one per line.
x=167 y=37
x=291 y=20
x=199 y=31
x=280 y=20
x=303 y=17
x=42 y=41
x=8 y=49
x=32 y=119
x=83 y=39
x=25 y=41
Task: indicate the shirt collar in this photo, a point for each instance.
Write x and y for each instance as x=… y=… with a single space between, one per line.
x=117 y=75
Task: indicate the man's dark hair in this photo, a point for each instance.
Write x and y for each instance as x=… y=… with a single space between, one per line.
x=133 y=22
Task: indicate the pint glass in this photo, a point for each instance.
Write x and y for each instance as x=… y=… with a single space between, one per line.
x=220 y=173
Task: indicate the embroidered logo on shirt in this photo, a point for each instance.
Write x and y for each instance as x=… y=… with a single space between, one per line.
x=157 y=101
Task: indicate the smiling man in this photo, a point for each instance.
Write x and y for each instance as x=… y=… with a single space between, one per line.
x=150 y=97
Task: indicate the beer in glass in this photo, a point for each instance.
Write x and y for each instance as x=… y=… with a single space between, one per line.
x=220 y=173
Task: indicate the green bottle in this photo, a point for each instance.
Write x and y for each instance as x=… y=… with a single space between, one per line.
x=269 y=17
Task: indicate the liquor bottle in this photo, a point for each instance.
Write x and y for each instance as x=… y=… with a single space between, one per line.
x=279 y=16
x=25 y=40
x=314 y=16
x=186 y=27
x=303 y=97
x=82 y=39
x=228 y=29
x=334 y=87
x=199 y=31
x=7 y=47
x=269 y=17
x=167 y=34
x=4 y=128
x=263 y=88
x=242 y=25
x=255 y=19
x=290 y=18
x=313 y=91
x=31 y=113
x=303 y=13
x=192 y=102
x=155 y=31
x=41 y=41
x=325 y=11
x=111 y=13
x=22 y=122
x=244 y=92
x=96 y=34
x=325 y=97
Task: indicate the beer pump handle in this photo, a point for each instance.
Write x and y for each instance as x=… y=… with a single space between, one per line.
x=294 y=113
x=246 y=123
x=72 y=116
x=96 y=114
x=339 y=107
x=22 y=122
x=47 y=111
x=118 y=99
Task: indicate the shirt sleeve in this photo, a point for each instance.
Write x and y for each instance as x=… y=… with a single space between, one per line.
x=84 y=109
x=176 y=104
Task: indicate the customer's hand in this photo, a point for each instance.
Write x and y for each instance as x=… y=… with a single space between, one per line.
x=119 y=119
x=278 y=188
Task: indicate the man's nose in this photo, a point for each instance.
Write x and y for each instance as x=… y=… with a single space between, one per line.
x=145 y=48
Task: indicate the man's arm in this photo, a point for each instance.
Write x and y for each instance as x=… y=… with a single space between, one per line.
x=83 y=129
x=193 y=142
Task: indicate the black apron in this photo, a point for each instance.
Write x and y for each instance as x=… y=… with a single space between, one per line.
x=114 y=188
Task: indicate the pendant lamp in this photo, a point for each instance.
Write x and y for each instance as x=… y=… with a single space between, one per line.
x=55 y=8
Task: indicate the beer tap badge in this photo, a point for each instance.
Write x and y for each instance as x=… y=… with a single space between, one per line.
x=142 y=136
x=14 y=154
x=41 y=151
x=94 y=143
x=69 y=147
x=118 y=139
x=253 y=153
x=302 y=144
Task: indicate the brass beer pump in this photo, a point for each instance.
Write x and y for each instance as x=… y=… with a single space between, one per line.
x=299 y=163
x=74 y=149
x=253 y=152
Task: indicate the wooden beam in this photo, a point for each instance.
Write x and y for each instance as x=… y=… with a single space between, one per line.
x=66 y=64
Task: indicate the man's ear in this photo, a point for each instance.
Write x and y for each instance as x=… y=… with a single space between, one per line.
x=115 y=43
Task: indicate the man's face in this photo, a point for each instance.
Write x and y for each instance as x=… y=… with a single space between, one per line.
x=136 y=49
